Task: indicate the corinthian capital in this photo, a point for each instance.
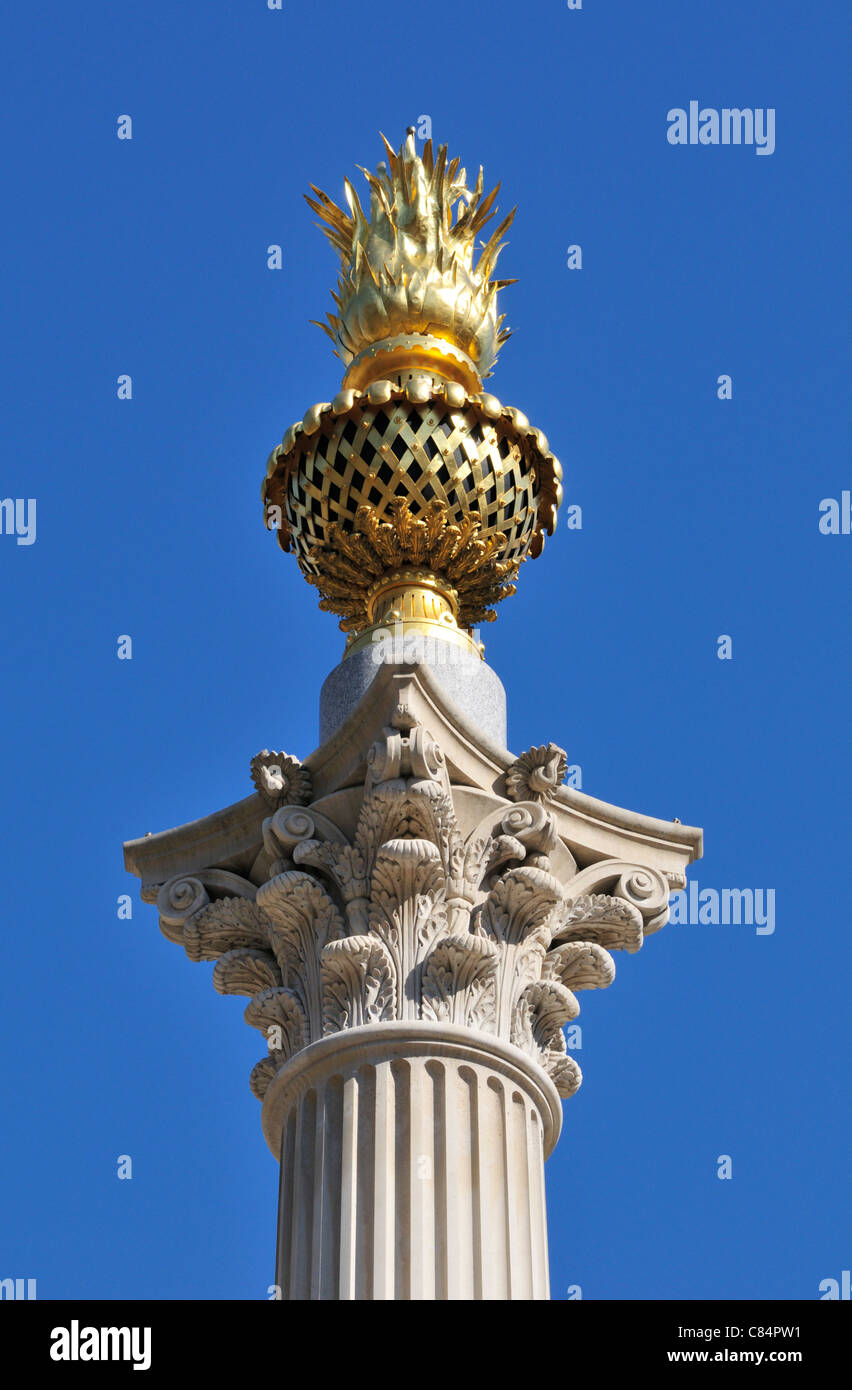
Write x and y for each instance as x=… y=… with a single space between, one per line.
x=401 y=887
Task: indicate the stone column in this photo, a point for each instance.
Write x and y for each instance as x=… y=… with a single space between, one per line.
x=412 y=1166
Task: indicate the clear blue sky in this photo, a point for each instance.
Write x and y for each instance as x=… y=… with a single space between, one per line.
x=700 y=519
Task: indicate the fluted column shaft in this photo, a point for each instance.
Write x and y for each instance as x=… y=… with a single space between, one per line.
x=412 y=1166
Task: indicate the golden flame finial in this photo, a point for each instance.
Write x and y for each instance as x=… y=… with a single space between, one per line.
x=413 y=497
x=409 y=296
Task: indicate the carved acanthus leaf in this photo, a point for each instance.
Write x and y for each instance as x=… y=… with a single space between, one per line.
x=343 y=864
x=523 y=902
x=564 y=1072
x=405 y=870
x=381 y=817
x=477 y=858
x=279 y=1015
x=407 y=893
x=263 y=1073
x=609 y=921
x=458 y=982
x=540 y=1013
x=359 y=983
x=302 y=918
x=580 y=965
x=245 y=971
x=224 y=926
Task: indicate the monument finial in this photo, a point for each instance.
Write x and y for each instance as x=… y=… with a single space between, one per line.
x=414 y=495
x=412 y=910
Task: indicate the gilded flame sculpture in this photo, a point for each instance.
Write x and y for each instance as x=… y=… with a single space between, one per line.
x=414 y=495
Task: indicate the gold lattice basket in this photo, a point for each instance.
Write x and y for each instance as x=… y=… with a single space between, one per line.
x=426 y=445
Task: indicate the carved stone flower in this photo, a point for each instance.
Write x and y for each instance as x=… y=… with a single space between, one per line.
x=536 y=774
x=281 y=779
